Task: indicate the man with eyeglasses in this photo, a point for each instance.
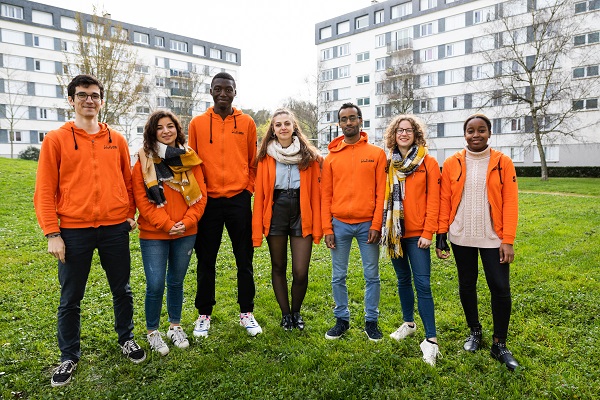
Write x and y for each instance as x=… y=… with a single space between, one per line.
x=84 y=201
x=225 y=139
x=353 y=190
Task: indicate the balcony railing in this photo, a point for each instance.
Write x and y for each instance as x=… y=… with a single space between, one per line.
x=399 y=45
x=181 y=92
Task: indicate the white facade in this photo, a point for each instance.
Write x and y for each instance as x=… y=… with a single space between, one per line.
x=446 y=41
x=34 y=38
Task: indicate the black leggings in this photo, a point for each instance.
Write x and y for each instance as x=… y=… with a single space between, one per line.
x=497 y=276
x=301 y=250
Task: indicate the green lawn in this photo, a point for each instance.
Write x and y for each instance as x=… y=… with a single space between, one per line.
x=553 y=334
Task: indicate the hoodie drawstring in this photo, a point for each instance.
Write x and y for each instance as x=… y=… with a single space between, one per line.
x=210 y=128
x=74 y=140
x=234 y=122
x=109 y=137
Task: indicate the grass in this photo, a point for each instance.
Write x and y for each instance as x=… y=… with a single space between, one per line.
x=553 y=333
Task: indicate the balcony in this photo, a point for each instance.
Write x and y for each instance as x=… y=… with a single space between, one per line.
x=177 y=92
x=179 y=74
x=400 y=70
x=400 y=45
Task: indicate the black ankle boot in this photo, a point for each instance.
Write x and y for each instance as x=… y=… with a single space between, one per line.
x=287 y=323
x=501 y=353
x=298 y=321
x=473 y=342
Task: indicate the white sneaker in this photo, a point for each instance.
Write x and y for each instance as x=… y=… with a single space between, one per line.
x=404 y=331
x=247 y=321
x=202 y=325
x=157 y=343
x=178 y=337
x=430 y=352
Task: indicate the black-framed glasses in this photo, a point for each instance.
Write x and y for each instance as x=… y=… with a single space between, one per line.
x=352 y=118
x=408 y=131
x=83 y=96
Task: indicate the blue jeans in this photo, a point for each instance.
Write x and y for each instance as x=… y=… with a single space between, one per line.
x=419 y=261
x=369 y=253
x=156 y=254
x=112 y=243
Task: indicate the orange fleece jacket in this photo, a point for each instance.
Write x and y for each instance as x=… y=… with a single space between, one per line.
x=422 y=200
x=310 y=201
x=353 y=183
x=502 y=191
x=155 y=222
x=227 y=148
x=83 y=180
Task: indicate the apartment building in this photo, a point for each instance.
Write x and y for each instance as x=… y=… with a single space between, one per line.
x=435 y=58
x=36 y=43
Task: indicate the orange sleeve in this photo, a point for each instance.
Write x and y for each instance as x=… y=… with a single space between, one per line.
x=326 y=197
x=259 y=202
x=433 y=197
x=156 y=216
x=251 y=156
x=510 y=202
x=380 y=177
x=316 y=202
x=445 y=199
x=126 y=171
x=46 y=186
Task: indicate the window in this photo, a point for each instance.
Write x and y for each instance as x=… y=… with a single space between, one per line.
x=401 y=10
x=43 y=42
x=425 y=105
x=14 y=37
x=327 y=54
x=329 y=116
x=580 y=7
x=42 y=89
x=428 y=4
x=215 y=53
x=178 y=45
x=379 y=88
x=514 y=125
x=343 y=50
x=120 y=33
x=344 y=72
x=14 y=62
x=231 y=57
x=159 y=62
x=363 y=101
x=343 y=93
x=551 y=153
x=68 y=46
x=10 y=11
x=142 y=110
x=142 y=38
x=40 y=17
x=379 y=111
x=364 y=56
x=450 y=50
x=454 y=102
x=483 y=71
x=585 y=104
x=327 y=75
x=455 y=75
x=483 y=43
x=44 y=66
x=343 y=27
x=583 y=72
x=361 y=22
x=427 y=29
x=327 y=95
x=17 y=136
x=159 y=41
x=380 y=64
x=580 y=40
x=454 y=22
x=68 y=23
x=160 y=81
x=483 y=15
x=94 y=29
x=429 y=54
x=325 y=33
x=361 y=79
x=161 y=102
x=41 y=136
x=517 y=154
x=379 y=17
x=47 y=113
x=380 y=40
x=144 y=69
x=429 y=79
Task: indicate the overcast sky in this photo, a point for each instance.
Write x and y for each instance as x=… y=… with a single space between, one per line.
x=277 y=37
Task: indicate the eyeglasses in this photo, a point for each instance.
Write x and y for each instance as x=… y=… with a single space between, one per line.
x=408 y=131
x=83 y=96
x=352 y=118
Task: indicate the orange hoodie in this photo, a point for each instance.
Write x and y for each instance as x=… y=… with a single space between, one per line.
x=502 y=191
x=227 y=148
x=83 y=180
x=156 y=222
x=353 y=183
x=310 y=201
x=422 y=200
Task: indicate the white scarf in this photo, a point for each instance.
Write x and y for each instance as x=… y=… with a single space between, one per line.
x=288 y=155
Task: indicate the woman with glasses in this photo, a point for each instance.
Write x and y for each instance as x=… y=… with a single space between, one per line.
x=478 y=213
x=170 y=195
x=287 y=204
x=410 y=219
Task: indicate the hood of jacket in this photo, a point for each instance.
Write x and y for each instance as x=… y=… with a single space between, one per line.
x=338 y=143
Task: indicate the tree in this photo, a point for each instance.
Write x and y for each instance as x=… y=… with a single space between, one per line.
x=103 y=51
x=532 y=54
x=307 y=114
x=30 y=153
x=16 y=104
x=262 y=119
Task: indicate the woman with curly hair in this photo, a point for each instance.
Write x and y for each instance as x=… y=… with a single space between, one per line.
x=287 y=203
x=411 y=207
x=170 y=195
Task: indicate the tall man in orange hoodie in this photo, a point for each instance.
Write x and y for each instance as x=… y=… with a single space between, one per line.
x=84 y=201
x=225 y=140
x=353 y=191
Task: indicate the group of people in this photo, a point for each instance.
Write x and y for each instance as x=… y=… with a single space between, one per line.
x=186 y=192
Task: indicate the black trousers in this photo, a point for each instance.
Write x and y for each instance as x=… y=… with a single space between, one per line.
x=235 y=214
x=497 y=277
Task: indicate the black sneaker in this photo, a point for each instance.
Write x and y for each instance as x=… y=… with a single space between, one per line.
x=298 y=321
x=287 y=323
x=502 y=354
x=338 y=330
x=372 y=331
x=133 y=351
x=63 y=373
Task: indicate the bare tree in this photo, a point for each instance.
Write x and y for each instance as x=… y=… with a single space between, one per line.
x=532 y=55
x=185 y=90
x=322 y=98
x=15 y=102
x=103 y=50
x=307 y=114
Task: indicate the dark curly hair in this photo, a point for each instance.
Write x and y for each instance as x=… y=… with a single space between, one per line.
x=307 y=150
x=150 y=130
x=418 y=130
